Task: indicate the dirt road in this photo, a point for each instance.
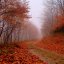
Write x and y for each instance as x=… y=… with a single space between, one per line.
x=46 y=55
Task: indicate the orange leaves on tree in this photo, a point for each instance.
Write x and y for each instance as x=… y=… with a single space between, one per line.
x=15 y=12
x=60 y=21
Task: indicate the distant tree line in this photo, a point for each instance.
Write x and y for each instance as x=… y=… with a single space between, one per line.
x=53 y=17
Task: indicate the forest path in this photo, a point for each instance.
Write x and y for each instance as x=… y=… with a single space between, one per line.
x=46 y=55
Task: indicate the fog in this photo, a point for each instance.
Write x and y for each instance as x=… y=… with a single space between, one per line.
x=35 y=12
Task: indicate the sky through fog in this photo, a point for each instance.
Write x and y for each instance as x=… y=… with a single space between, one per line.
x=35 y=11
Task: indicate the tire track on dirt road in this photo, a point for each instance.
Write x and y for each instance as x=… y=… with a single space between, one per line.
x=46 y=55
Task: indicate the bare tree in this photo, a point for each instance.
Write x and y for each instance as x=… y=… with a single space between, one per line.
x=53 y=17
x=49 y=15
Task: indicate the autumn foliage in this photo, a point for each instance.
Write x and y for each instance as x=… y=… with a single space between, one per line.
x=53 y=27
x=53 y=16
x=13 y=14
x=15 y=54
x=53 y=43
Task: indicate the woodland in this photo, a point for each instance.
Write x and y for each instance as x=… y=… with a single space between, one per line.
x=20 y=41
